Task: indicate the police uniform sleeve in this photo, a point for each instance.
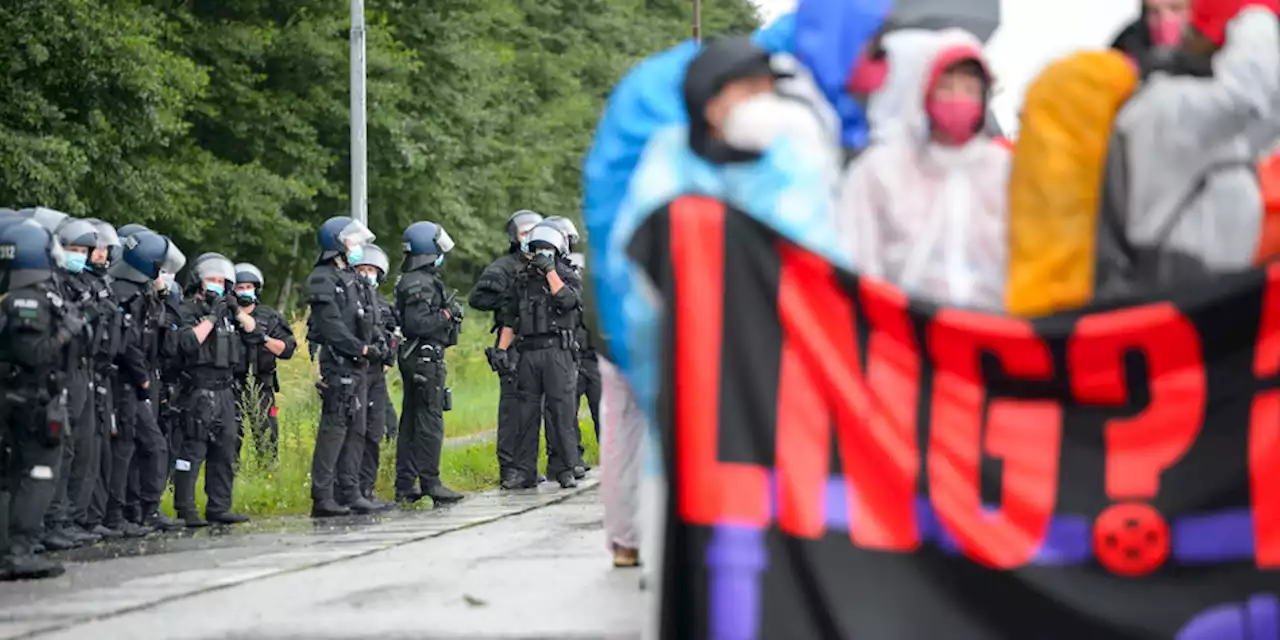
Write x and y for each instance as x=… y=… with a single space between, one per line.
x=326 y=318
x=132 y=354
x=189 y=316
x=280 y=330
x=424 y=317
x=570 y=295
x=492 y=289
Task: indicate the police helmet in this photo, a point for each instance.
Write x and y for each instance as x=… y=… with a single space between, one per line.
x=520 y=223
x=6 y=212
x=130 y=229
x=570 y=230
x=25 y=254
x=108 y=239
x=247 y=273
x=48 y=218
x=424 y=243
x=374 y=256
x=339 y=233
x=77 y=233
x=548 y=235
x=144 y=255
x=211 y=265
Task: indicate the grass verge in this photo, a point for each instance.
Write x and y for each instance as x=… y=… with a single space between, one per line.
x=283 y=487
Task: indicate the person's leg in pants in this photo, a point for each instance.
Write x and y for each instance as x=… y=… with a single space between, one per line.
x=267 y=435
x=197 y=419
x=560 y=387
x=150 y=469
x=428 y=442
x=621 y=462
x=95 y=488
x=34 y=471
x=590 y=385
x=509 y=420
x=412 y=422
x=81 y=411
x=220 y=466
x=123 y=446
x=336 y=389
x=352 y=454
x=529 y=384
x=375 y=426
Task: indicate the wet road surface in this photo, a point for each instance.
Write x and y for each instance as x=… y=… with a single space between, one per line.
x=527 y=565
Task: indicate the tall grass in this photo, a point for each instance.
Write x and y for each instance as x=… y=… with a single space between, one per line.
x=266 y=487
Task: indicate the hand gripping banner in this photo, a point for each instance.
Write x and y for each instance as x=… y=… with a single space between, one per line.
x=848 y=463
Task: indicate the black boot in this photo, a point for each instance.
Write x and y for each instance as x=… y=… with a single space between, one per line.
x=226 y=517
x=80 y=536
x=132 y=530
x=579 y=472
x=361 y=505
x=158 y=521
x=184 y=499
x=21 y=563
x=106 y=532
x=441 y=494
x=566 y=480
x=57 y=540
x=328 y=509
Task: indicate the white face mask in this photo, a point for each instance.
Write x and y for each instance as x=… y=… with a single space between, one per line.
x=166 y=281
x=754 y=124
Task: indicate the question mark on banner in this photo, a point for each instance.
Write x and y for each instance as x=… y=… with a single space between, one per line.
x=1131 y=538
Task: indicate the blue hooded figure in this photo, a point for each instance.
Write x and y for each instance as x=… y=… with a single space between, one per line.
x=643 y=118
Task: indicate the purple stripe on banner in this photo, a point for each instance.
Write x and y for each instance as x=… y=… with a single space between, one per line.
x=1225 y=535
x=736 y=556
x=1264 y=623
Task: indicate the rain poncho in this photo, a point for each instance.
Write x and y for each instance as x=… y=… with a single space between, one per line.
x=1189 y=201
x=893 y=112
x=929 y=218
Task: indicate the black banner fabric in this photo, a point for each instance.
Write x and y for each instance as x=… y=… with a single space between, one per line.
x=847 y=463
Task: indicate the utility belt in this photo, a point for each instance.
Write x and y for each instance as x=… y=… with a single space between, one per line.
x=423 y=350
x=209 y=381
x=563 y=339
x=322 y=351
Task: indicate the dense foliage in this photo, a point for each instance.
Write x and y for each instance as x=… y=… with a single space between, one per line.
x=225 y=122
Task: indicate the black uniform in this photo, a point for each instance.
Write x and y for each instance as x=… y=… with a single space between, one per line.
x=428 y=330
x=139 y=437
x=340 y=327
x=546 y=325
x=493 y=293
x=149 y=471
x=589 y=383
x=379 y=399
x=35 y=326
x=260 y=363
x=104 y=313
x=209 y=428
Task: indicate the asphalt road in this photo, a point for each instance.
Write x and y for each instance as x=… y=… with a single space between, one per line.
x=528 y=565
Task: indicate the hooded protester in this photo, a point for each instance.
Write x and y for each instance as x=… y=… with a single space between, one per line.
x=1181 y=198
x=1157 y=31
x=928 y=211
x=894 y=93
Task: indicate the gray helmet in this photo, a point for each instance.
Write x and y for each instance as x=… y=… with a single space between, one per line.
x=246 y=272
x=211 y=265
x=520 y=223
x=50 y=219
x=548 y=234
x=374 y=256
x=570 y=230
x=77 y=233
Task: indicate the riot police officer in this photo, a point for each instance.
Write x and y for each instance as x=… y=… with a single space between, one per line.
x=140 y=462
x=211 y=344
x=545 y=309
x=35 y=327
x=589 y=383
x=492 y=293
x=372 y=271
x=340 y=328
x=259 y=364
x=431 y=320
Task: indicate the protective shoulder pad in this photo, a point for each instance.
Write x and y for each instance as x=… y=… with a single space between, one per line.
x=27 y=309
x=322 y=287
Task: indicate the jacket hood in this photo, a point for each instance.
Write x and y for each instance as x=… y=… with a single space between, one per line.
x=927 y=55
x=723 y=60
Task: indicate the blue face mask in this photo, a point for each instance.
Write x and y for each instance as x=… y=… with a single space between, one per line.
x=355 y=254
x=215 y=289
x=76 y=261
x=524 y=246
x=550 y=253
x=439 y=260
x=251 y=294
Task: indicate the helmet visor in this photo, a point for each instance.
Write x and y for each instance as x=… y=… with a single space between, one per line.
x=444 y=241
x=174 y=260
x=45 y=217
x=525 y=221
x=355 y=234
x=107 y=236
x=246 y=272
x=216 y=267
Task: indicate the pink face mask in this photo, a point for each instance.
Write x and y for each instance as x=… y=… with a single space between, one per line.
x=868 y=76
x=956 y=120
x=1166 y=32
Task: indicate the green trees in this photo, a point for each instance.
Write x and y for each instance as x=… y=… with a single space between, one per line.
x=225 y=123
